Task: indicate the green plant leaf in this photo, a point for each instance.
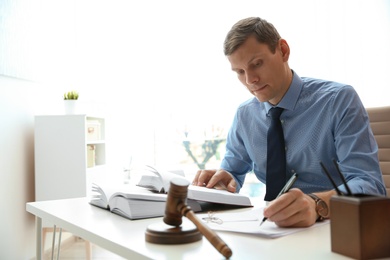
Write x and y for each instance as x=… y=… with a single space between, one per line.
x=71 y=95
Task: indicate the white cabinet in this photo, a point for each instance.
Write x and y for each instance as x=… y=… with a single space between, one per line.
x=69 y=151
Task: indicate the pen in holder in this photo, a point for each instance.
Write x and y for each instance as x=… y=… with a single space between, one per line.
x=360 y=223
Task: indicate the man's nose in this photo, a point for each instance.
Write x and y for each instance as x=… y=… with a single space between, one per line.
x=251 y=78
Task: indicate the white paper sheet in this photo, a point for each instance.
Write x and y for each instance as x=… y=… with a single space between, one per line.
x=248 y=222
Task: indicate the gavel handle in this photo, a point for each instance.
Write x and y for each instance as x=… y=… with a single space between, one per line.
x=211 y=236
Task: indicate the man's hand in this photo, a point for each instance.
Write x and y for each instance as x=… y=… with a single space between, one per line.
x=295 y=209
x=219 y=179
x=292 y=209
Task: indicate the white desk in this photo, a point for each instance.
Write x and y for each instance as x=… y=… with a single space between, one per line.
x=127 y=238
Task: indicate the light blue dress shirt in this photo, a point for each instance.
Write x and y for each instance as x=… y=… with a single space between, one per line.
x=322 y=121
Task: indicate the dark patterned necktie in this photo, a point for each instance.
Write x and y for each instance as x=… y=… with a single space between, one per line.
x=276 y=156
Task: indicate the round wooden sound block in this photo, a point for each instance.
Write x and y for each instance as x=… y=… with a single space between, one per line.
x=161 y=233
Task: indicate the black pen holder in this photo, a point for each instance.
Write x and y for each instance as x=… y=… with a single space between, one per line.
x=360 y=226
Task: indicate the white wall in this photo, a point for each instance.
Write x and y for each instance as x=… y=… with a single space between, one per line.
x=17 y=99
x=20 y=101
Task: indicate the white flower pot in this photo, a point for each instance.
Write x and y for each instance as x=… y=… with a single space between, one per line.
x=70 y=107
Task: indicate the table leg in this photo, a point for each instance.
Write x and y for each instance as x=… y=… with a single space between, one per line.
x=38 y=226
x=53 y=242
x=59 y=244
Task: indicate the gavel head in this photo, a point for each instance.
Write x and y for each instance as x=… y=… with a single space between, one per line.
x=177 y=198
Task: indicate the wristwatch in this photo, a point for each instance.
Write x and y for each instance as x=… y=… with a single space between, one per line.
x=321 y=207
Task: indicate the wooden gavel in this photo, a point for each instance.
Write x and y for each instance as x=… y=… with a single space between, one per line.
x=176 y=207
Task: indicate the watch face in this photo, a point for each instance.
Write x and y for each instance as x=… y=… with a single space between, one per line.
x=322 y=208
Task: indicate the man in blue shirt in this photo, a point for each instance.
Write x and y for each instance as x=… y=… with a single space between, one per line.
x=322 y=121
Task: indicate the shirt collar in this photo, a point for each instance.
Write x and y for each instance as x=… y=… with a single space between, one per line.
x=291 y=97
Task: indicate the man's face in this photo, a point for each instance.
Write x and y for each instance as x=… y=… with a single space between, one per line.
x=265 y=74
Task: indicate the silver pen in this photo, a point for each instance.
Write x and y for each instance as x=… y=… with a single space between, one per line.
x=285 y=189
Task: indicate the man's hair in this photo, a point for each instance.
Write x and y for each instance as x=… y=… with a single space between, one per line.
x=263 y=31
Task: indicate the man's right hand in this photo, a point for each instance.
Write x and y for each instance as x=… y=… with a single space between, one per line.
x=218 y=179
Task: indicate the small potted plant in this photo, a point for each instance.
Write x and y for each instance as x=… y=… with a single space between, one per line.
x=70 y=99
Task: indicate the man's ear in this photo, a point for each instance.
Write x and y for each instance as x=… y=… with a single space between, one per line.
x=285 y=49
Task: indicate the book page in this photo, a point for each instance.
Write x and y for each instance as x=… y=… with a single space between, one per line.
x=102 y=194
x=158 y=180
x=98 y=197
x=137 y=209
x=217 y=196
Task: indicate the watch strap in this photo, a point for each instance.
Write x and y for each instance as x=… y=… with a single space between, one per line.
x=317 y=200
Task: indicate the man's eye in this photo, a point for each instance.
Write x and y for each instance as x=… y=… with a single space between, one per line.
x=258 y=64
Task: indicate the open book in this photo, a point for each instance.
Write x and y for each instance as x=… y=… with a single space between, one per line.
x=159 y=181
x=132 y=202
x=148 y=198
